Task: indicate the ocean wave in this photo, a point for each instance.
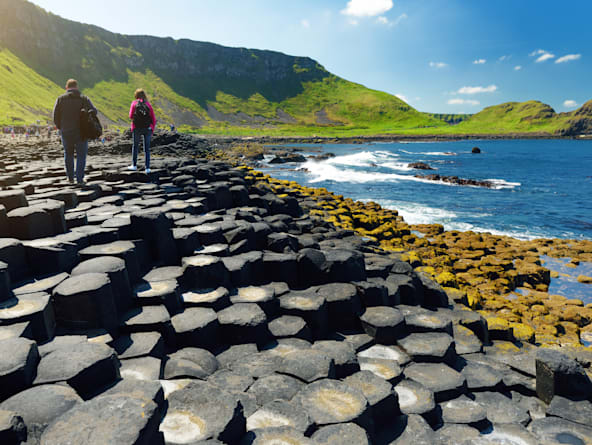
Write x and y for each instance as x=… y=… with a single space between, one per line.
x=322 y=171
x=363 y=159
x=430 y=153
x=499 y=184
x=414 y=213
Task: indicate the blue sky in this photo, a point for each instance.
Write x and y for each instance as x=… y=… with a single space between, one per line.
x=443 y=56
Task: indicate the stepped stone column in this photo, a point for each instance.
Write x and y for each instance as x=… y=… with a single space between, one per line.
x=86 y=302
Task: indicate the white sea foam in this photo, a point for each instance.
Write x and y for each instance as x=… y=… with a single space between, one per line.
x=499 y=184
x=430 y=153
x=363 y=159
x=322 y=171
x=414 y=213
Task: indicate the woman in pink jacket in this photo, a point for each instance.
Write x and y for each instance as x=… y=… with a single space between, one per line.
x=143 y=124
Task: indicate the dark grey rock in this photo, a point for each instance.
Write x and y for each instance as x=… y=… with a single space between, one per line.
x=384 y=324
x=557 y=374
x=309 y=306
x=243 y=323
x=345 y=265
x=203 y=411
x=501 y=409
x=18 y=365
x=343 y=305
x=463 y=410
x=308 y=365
x=231 y=381
x=574 y=411
x=167 y=293
x=429 y=347
x=465 y=341
x=554 y=430
x=196 y=327
x=275 y=387
x=280 y=434
x=190 y=363
x=445 y=382
x=329 y=402
x=290 y=326
x=86 y=367
x=216 y=299
x=47 y=285
x=109 y=419
x=279 y=413
x=139 y=344
x=379 y=393
x=205 y=271
x=480 y=376
x=455 y=433
x=414 y=398
x=126 y=250
x=343 y=355
x=141 y=368
x=35 y=309
x=416 y=431
x=85 y=302
x=257 y=365
x=236 y=352
x=341 y=434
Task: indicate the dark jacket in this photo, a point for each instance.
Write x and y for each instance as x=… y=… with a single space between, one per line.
x=66 y=112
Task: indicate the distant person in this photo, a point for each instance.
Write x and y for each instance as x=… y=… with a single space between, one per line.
x=143 y=124
x=66 y=115
x=172 y=127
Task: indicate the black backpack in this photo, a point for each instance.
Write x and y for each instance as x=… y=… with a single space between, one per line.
x=142 y=118
x=90 y=127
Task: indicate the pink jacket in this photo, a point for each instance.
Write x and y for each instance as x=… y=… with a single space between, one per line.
x=133 y=109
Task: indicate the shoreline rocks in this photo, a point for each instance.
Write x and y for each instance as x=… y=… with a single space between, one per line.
x=262 y=310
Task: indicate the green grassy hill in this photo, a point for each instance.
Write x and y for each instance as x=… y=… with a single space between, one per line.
x=209 y=88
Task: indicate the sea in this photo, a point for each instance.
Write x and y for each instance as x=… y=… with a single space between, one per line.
x=542 y=188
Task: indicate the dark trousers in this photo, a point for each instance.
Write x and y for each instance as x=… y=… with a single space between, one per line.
x=74 y=144
x=146 y=133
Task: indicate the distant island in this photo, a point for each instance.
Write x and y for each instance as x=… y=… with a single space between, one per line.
x=210 y=89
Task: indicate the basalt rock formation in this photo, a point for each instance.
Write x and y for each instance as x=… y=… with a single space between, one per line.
x=195 y=305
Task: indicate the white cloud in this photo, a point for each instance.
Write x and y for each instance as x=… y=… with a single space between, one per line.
x=367 y=8
x=542 y=54
x=479 y=62
x=568 y=58
x=570 y=104
x=438 y=65
x=476 y=90
x=402 y=97
x=305 y=23
x=400 y=19
x=517 y=68
x=463 y=102
x=383 y=20
x=502 y=58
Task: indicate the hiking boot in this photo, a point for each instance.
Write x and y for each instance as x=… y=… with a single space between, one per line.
x=132 y=168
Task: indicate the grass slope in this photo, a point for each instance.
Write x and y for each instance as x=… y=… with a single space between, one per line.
x=25 y=96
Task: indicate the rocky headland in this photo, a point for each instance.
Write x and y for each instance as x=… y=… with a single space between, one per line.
x=208 y=303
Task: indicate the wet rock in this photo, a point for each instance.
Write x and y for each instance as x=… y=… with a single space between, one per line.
x=384 y=324
x=108 y=419
x=476 y=150
x=18 y=365
x=86 y=367
x=341 y=434
x=419 y=166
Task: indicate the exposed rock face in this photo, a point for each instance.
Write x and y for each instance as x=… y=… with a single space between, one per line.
x=457 y=181
x=420 y=166
x=257 y=320
x=476 y=150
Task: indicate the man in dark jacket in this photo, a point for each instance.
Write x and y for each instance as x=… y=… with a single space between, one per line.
x=66 y=115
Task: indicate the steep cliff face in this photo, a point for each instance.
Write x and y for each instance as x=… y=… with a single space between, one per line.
x=58 y=49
